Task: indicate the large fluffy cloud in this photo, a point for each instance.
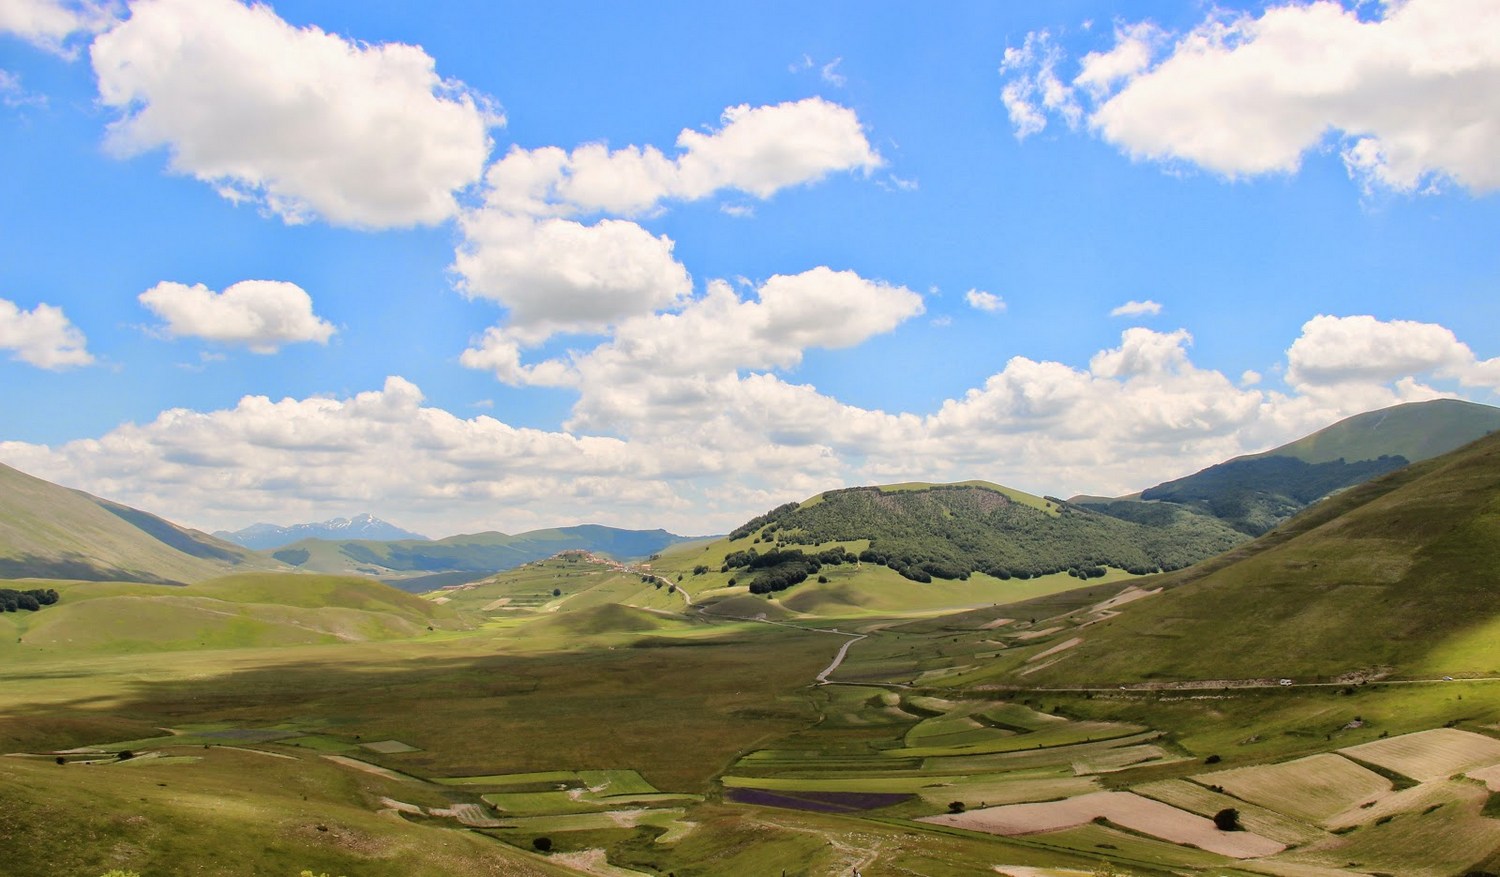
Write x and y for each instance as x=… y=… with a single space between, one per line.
x=304 y=122
x=525 y=248
x=260 y=314
x=1412 y=95
x=700 y=436
x=758 y=150
x=559 y=275
x=789 y=314
x=1334 y=351
x=42 y=336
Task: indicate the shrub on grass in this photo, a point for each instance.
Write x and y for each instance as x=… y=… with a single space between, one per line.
x=542 y=844
x=956 y=807
x=1228 y=819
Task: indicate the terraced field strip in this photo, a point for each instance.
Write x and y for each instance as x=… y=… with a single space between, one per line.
x=615 y=782
x=562 y=777
x=1314 y=788
x=375 y=769
x=1430 y=755
x=995 y=789
x=1422 y=843
x=1065 y=735
x=1113 y=760
x=539 y=803
x=1426 y=796
x=1490 y=776
x=1019 y=717
x=1061 y=756
x=1128 y=849
x=1125 y=809
x=1206 y=802
x=662 y=818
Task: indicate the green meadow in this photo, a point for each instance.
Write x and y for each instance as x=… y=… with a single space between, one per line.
x=577 y=717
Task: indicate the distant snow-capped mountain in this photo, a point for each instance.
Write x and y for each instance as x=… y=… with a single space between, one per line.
x=262 y=537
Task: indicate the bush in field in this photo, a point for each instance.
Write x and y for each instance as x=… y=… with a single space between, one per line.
x=1228 y=819
x=542 y=844
x=955 y=807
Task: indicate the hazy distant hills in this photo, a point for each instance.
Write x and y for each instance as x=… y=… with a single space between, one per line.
x=1255 y=493
x=265 y=537
x=425 y=564
x=48 y=531
x=1395 y=573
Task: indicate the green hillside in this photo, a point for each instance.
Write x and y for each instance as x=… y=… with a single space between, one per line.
x=1397 y=575
x=47 y=531
x=1256 y=492
x=240 y=611
x=1417 y=431
x=953 y=531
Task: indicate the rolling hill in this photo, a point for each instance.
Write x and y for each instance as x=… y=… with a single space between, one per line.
x=48 y=531
x=928 y=547
x=1393 y=576
x=1256 y=492
x=247 y=610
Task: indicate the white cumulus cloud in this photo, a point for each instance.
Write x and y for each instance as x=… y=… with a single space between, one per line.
x=980 y=300
x=756 y=150
x=262 y=315
x=1362 y=349
x=49 y=23
x=1133 y=308
x=42 y=336
x=559 y=275
x=698 y=437
x=1411 y=95
x=306 y=123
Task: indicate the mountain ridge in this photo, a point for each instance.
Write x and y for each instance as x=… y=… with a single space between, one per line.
x=266 y=537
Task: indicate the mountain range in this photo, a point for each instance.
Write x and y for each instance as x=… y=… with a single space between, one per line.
x=918 y=531
x=266 y=537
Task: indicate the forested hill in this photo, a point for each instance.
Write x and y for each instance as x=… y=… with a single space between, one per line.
x=950 y=531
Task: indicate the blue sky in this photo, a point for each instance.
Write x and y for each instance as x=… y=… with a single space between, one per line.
x=499 y=266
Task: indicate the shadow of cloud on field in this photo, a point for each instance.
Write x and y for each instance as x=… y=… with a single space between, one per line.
x=676 y=719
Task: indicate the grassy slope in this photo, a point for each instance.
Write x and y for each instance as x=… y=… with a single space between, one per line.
x=1387 y=574
x=51 y=531
x=240 y=611
x=1254 y=493
x=1417 y=431
x=227 y=812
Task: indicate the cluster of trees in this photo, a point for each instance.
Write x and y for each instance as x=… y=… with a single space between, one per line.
x=779 y=569
x=1087 y=572
x=953 y=531
x=32 y=600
